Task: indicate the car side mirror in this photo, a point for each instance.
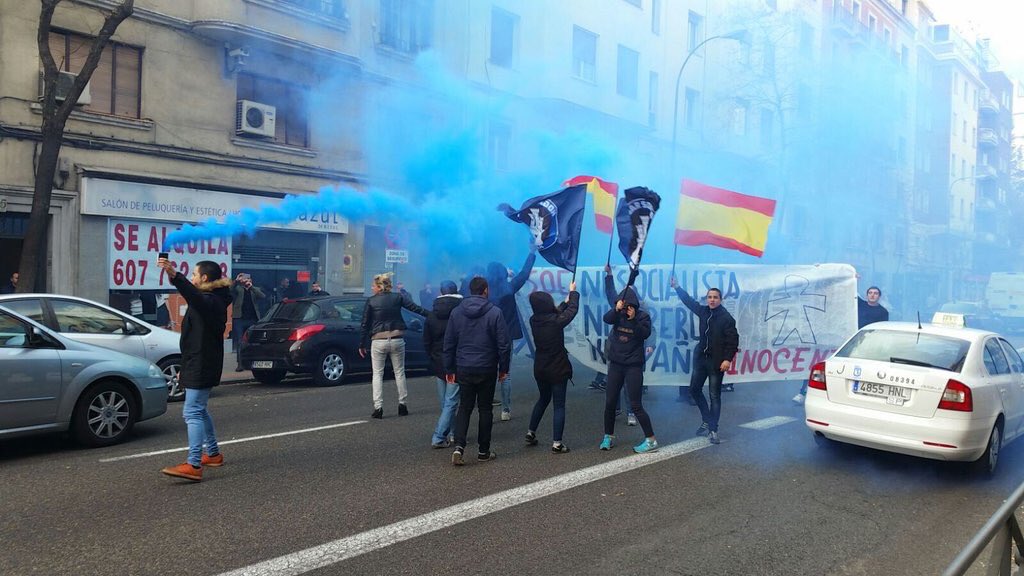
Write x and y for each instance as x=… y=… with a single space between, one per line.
x=133 y=329
x=40 y=339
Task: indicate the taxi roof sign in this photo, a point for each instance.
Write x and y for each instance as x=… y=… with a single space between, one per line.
x=949 y=319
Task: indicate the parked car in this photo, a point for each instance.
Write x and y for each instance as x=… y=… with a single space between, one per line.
x=934 y=391
x=93 y=323
x=52 y=383
x=319 y=336
x=976 y=315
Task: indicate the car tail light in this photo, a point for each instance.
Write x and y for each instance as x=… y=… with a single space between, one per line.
x=956 y=396
x=817 y=378
x=305 y=332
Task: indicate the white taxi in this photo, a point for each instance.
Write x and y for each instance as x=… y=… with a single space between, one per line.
x=939 y=390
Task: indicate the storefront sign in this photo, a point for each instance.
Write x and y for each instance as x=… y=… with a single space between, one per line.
x=133 y=247
x=119 y=199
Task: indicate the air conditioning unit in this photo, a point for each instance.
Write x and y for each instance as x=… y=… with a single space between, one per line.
x=64 y=82
x=255 y=119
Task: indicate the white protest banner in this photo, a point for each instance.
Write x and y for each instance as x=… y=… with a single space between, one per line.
x=134 y=246
x=788 y=317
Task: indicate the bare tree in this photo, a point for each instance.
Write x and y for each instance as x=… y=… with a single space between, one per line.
x=55 y=117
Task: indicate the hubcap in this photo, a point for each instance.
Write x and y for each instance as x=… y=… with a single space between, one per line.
x=174 y=388
x=108 y=414
x=333 y=367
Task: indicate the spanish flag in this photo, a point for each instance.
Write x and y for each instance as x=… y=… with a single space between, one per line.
x=605 y=196
x=720 y=217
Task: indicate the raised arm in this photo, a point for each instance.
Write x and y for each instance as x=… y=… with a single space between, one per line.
x=520 y=279
x=568 y=310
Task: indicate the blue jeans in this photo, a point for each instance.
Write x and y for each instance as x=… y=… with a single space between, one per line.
x=506 y=392
x=704 y=368
x=199 y=424
x=448 y=395
x=550 y=392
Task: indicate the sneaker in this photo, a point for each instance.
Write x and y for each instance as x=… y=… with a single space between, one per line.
x=442 y=444
x=559 y=448
x=451 y=438
x=378 y=413
x=631 y=420
x=703 y=430
x=457 y=457
x=531 y=439
x=495 y=402
x=594 y=386
x=646 y=446
x=215 y=460
x=601 y=386
x=618 y=413
x=506 y=415
x=713 y=437
x=184 y=470
x=608 y=442
x=238 y=368
x=728 y=388
x=402 y=410
x=798 y=399
x=484 y=457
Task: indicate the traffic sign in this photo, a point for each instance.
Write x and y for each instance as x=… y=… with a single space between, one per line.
x=396 y=256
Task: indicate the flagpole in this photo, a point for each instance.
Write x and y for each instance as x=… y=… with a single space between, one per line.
x=675 y=249
x=611 y=241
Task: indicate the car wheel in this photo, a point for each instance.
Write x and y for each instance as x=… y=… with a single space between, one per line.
x=330 y=368
x=268 y=376
x=104 y=414
x=986 y=465
x=171 y=367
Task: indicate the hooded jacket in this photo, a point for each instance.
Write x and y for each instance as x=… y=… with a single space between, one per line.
x=502 y=292
x=433 y=332
x=476 y=339
x=626 y=342
x=551 y=361
x=718 y=336
x=202 y=331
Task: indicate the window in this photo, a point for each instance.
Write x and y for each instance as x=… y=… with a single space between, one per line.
x=995 y=360
x=695 y=30
x=115 y=85
x=964 y=132
x=499 y=138
x=292 y=119
x=954 y=125
x=629 y=61
x=1016 y=364
x=904 y=56
x=872 y=23
x=952 y=166
x=80 y=318
x=13 y=334
x=349 y=310
x=584 y=54
x=652 y=99
x=767 y=127
x=332 y=8
x=503 y=32
x=692 y=102
x=929 y=349
x=29 y=308
x=739 y=117
x=406 y=25
x=656 y=16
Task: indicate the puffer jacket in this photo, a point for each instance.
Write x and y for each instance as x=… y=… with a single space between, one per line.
x=433 y=332
x=551 y=362
x=626 y=342
x=202 y=331
x=383 y=313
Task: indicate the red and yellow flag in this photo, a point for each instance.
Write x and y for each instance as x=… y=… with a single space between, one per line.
x=605 y=195
x=723 y=218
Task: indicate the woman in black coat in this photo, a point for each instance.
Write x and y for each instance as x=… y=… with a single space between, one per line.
x=551 y=366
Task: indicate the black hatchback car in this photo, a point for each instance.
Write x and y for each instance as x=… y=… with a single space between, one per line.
x=319 y=336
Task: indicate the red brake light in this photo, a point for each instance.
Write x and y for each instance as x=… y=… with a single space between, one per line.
x=817 y=378
x=956 y=396
x=305 y=332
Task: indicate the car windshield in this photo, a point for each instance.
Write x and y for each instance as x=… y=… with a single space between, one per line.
x=298 y=311
x=916 y=348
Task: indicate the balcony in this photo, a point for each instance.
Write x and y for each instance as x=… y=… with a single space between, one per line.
x=844 y=22
x=987 y=137
x=987 y=103
x=986 y=172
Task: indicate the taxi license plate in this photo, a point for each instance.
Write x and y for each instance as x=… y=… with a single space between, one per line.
x=263 y=364
x=895 y=395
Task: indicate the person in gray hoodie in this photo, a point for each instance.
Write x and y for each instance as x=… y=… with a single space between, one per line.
x=477 y=352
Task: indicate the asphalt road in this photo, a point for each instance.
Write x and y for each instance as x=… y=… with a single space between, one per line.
x=765 y=501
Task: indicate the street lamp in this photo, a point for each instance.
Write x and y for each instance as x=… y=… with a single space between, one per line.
x=737 y=35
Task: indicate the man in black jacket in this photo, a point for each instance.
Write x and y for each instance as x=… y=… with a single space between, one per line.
x=433 y=341
x=476 y=350
x=202 y=360
x=383 y=335
x=713 y=356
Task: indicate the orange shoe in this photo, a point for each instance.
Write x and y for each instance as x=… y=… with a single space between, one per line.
x=215 y=461
x=184 y=470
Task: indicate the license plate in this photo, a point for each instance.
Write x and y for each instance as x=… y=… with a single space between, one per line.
x=895 y=395
x=263 y=364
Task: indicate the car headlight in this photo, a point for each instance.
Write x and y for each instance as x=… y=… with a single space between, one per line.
x=155 y=372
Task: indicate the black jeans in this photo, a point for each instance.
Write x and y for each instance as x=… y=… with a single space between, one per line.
x=550 y=391
x=704 y=368
x=238 y=328
x=633 y=379
x=475 y=389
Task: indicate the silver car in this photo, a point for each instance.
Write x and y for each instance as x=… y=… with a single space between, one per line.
x=93 y=323
x=52 y=384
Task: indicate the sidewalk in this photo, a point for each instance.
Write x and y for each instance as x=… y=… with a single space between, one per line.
x=230 y=376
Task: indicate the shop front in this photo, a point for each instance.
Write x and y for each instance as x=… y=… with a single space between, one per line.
x=132 y=219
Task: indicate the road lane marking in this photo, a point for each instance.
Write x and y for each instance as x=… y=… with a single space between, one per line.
x=345 y=548
x=226 y=442
x=766 y=423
